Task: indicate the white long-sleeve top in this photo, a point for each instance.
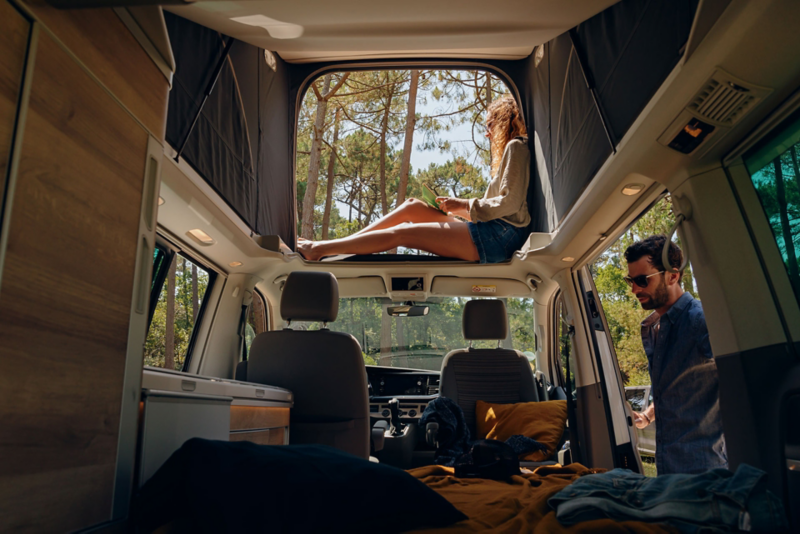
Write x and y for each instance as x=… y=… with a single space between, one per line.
x=506 y=197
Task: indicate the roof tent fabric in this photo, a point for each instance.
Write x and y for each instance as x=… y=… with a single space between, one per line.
x=239 y=143
x=630 y=49
x=624 y=53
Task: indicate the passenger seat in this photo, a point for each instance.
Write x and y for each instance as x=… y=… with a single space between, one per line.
x=496 y=375
x=323 y=369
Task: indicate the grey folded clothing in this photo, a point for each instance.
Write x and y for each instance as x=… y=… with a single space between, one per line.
x=715 y=501
x=453 y=435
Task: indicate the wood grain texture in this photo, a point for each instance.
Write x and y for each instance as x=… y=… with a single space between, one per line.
x=258 y=417
x=103 y=43
x=14 y=30
x=65 y=299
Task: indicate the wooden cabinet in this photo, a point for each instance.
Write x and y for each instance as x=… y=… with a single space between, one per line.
x=14 y=33
x=69 y=261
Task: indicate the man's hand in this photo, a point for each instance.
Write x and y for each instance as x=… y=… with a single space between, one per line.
x=456 y=206
x=640 y=420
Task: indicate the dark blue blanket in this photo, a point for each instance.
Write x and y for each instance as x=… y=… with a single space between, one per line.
x=454 y=438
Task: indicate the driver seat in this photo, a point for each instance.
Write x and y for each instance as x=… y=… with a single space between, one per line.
x=323 y=369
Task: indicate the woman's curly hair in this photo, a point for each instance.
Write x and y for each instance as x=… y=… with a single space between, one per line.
x=504 y=119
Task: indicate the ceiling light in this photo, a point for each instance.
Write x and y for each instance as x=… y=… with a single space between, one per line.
x=160 y=201
x=201 y=237
x=276 y=28
x=632 y=189
x=235 y=264
x=567 y=258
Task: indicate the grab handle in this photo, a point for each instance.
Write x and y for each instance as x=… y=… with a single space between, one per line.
x=685 y=215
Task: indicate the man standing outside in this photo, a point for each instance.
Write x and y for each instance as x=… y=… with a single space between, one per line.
x=683 y=373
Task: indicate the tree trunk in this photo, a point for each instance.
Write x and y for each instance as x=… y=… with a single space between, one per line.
x=401 y=334
x=386 y=336
x=169 y=335
x=384 y=133
x=796 y=168
x=507 y=342
x=791 y=257
x=326 y=217
x=195 y=299
x=307 y=227
x=408 y=142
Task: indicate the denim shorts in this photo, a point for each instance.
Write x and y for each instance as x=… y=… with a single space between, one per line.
x=497 y=240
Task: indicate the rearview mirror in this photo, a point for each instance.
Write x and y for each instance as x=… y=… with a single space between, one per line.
x=407 y=310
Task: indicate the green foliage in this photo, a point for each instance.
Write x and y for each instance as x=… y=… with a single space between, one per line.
x=155 y=345
x=421 y=342
x=622 y=310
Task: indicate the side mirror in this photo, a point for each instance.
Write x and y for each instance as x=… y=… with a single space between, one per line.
x=407 y=310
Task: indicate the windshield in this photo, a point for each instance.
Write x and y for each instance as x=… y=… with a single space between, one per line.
x=422 y=342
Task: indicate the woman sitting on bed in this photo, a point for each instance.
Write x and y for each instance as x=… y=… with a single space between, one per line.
x=497 y=224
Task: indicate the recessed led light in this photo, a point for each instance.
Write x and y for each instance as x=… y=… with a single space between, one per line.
x=235 y=264
x=567 y=258
x=160 y=201
x=201 y=237
x=632 y=189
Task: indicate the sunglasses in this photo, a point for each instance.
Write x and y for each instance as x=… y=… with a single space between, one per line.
x=642 y=280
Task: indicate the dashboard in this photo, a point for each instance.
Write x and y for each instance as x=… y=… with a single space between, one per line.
x=413 y=388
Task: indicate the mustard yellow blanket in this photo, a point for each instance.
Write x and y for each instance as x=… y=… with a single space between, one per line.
x=519 y=505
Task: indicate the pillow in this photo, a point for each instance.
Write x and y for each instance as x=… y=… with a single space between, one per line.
x=542 y=421
x=220 y=486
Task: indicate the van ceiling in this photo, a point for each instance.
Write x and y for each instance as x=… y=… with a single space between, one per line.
x=321 y=30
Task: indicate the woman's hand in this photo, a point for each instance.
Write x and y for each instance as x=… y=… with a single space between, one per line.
x=456 y=206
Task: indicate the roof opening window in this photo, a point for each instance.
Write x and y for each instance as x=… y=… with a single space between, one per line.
x=369 y=140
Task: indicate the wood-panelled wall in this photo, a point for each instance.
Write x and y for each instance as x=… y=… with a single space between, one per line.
x=14 y=30
x=68 y=274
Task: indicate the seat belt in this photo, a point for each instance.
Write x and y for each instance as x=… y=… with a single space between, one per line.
x=574 y=446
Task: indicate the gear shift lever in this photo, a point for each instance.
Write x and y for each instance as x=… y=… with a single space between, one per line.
x=394 y=409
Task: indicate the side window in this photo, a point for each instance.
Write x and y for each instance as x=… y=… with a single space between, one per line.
x=256 y=321
x=775 y=172
x=180 y=301
x=563 y=334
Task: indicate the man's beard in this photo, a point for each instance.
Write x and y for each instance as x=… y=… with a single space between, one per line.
x=658 y=299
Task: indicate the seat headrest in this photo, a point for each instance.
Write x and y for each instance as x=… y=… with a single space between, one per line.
x=310 y=296
x=485 y=319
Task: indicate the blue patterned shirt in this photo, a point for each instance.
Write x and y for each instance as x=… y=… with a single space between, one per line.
x=685 y=390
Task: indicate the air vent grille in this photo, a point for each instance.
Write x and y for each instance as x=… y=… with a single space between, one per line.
x=721 y=103
x=724 y=99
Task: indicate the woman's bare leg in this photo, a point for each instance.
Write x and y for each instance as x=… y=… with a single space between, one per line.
x=450 y=239
x=411 y=211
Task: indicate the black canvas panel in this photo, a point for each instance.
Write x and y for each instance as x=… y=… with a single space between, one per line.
x=197 y=50
x=541 y=106
x=241 y=143
x=219 y=147
x=276 y=207
x=580 y=145
x=244 y=59
x=630 y=49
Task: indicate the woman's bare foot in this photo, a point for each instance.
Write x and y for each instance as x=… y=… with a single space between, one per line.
x=306 y=249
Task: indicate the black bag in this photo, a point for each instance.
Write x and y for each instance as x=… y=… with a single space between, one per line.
x=488 y=458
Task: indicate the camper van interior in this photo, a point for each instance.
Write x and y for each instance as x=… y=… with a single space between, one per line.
x=162 y=162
